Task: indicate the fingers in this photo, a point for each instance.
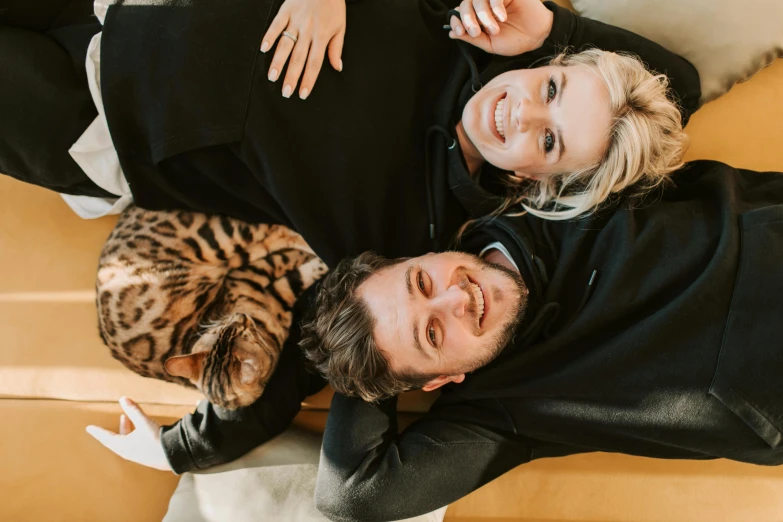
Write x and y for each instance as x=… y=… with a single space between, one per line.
x=469 y=19
x=480 y=16
x=103 y=436
x=486 y=16
x=296 y=65
x=456 y=27
x=135 y=414
x=458 y=32
x=314 y=62
x=284 y=48
x=335 y=50
x=499 y=8
x=125 y=425
x=275 y=30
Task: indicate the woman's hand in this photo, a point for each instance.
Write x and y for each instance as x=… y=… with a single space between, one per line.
x=503 y=27
x=138 y=439
x=308 y=27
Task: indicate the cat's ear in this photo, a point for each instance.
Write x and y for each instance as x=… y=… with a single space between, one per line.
x=188 y=366
x=248 y=371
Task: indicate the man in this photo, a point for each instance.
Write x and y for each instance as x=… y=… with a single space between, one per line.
x=650 y=329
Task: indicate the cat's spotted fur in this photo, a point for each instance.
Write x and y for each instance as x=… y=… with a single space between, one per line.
x=201 y=300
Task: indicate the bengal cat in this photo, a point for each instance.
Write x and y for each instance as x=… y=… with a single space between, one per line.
x=201 y=300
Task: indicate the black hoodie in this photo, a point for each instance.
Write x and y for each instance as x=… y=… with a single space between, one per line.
x=364 y=163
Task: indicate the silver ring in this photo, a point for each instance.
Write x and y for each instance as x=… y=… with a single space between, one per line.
x=290 y=35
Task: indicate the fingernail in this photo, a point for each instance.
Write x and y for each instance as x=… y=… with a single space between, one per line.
x=303 y=93
x=341 y=66
x=264 y=47
x=124 y=400
x=273 y=75
x=474 y=32
x=287 y=91
x=459 y=31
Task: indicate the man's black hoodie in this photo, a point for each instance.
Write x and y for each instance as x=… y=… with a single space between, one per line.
x=654 y=329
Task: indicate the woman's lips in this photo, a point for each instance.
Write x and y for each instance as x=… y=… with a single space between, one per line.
x=491 y=118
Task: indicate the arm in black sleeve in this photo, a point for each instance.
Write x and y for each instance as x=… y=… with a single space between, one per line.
x=212 y=435
x=368 y=472
x=579 y=33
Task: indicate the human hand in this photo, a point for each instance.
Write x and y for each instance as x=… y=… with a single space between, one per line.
x=141 y=445
x=308 y=27
x=503 y=27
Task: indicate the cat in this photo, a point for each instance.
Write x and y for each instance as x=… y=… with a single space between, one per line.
x=201 y=300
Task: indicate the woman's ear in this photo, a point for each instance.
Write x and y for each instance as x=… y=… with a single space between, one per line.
x=442 y=380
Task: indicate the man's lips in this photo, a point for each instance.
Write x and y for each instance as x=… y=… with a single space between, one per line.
x=480 y=321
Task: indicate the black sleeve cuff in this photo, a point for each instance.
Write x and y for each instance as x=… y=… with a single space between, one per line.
x=176 y=448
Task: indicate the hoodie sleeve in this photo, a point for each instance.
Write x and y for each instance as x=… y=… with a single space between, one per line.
x=368 y=472
x=579 y=33
x=212 y=435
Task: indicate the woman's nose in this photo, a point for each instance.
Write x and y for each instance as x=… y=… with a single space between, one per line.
x=528 y=114
x=453 y=301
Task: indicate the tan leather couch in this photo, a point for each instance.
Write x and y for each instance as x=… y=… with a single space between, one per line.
x=56 y=377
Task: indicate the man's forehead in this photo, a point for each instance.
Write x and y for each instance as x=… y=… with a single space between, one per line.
x=385 y=295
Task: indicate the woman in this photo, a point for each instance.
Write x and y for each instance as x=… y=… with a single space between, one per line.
x=388 y=153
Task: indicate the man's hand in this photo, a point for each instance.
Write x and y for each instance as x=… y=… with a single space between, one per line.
x=307 y=27
x=141 y=445
x=503 y=27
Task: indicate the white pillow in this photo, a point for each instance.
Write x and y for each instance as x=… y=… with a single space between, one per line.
x=274 y=482
x=726 y=40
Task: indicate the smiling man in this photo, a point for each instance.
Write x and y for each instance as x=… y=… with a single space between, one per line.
x=647 y=329
x=449 y=314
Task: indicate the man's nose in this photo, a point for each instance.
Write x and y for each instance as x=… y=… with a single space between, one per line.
x=528 y=115
x=453 y=301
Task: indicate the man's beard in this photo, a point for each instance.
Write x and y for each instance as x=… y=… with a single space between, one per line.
x=515 y=316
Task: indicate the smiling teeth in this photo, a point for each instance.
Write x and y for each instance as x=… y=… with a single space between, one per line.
x=499 y=117
x=479 y=299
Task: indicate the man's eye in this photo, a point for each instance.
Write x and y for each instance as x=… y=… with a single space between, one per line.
x=432 y=336
x=552 y=91
x=420 y=282
x=549 y=141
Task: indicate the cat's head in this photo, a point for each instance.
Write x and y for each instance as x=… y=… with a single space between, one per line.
x=230 y=363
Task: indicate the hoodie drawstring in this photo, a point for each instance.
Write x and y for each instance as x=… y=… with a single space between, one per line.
x=475 y=81
x=437 y=129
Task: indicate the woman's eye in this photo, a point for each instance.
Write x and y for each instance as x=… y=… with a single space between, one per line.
x=432 y=336
x=552 y=91
x=420 y=282
x=549 y=141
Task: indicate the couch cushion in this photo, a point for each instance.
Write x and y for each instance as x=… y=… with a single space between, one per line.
x=727 y=41
x=53 y=470
x=744 y=126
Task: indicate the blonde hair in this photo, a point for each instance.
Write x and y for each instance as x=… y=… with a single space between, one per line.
x=646 y=142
